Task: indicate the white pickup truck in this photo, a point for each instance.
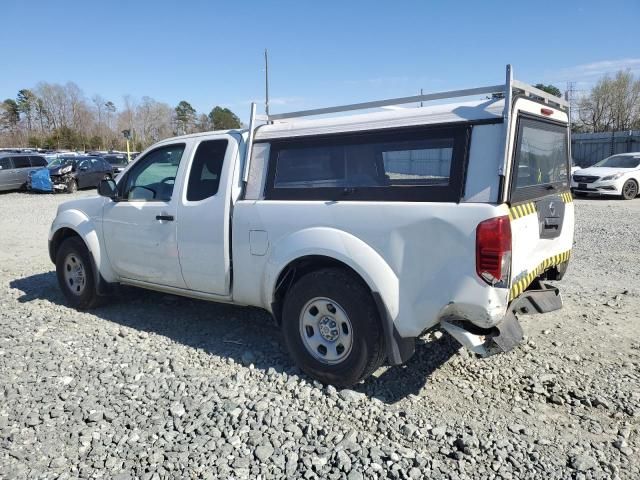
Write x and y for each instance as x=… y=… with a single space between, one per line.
x=357 y=233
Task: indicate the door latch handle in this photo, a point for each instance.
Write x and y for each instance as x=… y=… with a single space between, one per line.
x=166 y=218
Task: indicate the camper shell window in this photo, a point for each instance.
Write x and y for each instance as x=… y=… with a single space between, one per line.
x=425 y=164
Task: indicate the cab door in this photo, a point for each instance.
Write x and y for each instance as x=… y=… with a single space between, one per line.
x=204 y=215
x=541 y=207
x=140 y=230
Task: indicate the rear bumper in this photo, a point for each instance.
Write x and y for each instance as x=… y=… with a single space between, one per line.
x=507 y=334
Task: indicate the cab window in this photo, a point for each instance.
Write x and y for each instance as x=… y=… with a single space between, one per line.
x=204 y=178
x=153 y=177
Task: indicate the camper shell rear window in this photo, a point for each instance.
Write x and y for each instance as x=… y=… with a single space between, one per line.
x=541 y=159
x=424 y=164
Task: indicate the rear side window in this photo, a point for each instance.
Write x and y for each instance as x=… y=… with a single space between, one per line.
x=416 y=165
x=38 y=162
x=5 y=163
x=21 y=162
x=204 y=179
x=541 y=159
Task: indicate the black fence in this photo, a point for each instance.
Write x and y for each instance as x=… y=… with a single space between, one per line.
x=589 y=148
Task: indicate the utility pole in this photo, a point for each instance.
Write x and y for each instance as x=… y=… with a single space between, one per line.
x=266 y=82
x=421 y=102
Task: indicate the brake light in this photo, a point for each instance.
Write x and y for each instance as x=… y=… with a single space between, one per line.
x=546 y=111
x=493 y=251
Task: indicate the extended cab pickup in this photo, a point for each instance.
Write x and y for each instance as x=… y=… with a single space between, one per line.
x=357 y=233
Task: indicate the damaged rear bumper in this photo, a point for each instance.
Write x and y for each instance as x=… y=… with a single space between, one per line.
x=508 y=333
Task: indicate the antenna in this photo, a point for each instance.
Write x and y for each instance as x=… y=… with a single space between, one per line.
x=266 y=82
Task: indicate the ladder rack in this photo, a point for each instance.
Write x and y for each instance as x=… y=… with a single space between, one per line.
x=515 y=87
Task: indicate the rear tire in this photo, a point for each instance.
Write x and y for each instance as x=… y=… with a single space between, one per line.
x=72 y=186
x=331 y=327
x=629 y=190
x=74 y=270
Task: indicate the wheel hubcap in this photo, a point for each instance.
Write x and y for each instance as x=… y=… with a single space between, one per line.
x=74 y=274
x=326 y=330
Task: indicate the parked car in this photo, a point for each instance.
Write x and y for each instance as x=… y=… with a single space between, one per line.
x=618 y=175
x=15 y=168
x=71 y=173
x=118 y=161
x=357 y=233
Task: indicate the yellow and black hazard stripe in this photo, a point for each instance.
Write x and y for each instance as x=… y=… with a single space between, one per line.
x=566 y=197
x=525 y=279
x=524 y=209
x=529 y=208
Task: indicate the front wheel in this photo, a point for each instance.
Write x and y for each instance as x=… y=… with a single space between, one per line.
x=72 y=186
x=331 y=327
x=629 y=190
x=75 y=274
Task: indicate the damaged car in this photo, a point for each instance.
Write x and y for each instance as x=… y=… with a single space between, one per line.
x=72 y=173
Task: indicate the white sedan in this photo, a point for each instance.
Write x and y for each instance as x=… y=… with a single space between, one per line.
x=617 y=175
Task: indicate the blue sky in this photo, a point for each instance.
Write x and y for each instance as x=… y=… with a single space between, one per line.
x=321 y=53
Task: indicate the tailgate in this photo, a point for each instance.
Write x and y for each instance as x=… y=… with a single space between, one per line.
x=541 y=207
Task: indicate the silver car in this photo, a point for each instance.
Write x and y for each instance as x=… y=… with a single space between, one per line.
x=15 y=168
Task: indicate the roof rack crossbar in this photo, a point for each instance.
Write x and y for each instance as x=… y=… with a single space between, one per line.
x=514 y=87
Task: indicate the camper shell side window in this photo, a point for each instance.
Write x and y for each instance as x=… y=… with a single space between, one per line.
x=414 y=165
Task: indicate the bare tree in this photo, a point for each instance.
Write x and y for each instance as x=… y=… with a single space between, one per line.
x=612 y=104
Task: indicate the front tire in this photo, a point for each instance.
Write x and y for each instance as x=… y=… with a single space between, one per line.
x=629 y=190
x=331 y=327
x=75 y=274
x=72 y=186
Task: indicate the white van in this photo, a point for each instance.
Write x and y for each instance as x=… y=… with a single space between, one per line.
x=357 y=233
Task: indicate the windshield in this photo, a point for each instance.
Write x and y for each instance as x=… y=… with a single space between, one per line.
x=58 y=162
x=619 y=161
x=116 y=160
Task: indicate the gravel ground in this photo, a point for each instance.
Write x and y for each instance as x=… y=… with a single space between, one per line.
x=155 y=386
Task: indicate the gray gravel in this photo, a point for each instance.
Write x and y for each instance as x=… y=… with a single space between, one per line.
x=155 y=386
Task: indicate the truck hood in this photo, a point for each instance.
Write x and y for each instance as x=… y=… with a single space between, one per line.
x=90 y=206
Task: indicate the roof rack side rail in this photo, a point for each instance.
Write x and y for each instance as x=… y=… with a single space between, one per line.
x=508 y=89
x=389 y=102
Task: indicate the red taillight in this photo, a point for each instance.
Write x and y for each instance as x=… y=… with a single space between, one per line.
x=546 y=111
x=493 y=250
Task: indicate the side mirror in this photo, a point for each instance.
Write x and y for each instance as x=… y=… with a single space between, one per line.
x=108 y=188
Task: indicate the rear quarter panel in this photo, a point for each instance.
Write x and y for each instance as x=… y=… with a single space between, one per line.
x=428 y=252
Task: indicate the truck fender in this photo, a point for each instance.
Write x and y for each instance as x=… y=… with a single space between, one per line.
x=85 y=228
x=356 y=254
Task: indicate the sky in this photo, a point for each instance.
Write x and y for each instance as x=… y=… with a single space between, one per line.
x=321 y=53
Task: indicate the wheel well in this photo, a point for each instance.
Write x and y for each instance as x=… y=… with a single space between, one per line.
x=300 y=267
x=58 y=237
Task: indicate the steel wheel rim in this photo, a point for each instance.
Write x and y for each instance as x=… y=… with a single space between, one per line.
x=326 y=331
x=74 y=274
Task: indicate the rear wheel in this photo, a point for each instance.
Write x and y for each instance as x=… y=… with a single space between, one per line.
x=629 y=190
x=75 y=274
x=72 y=185
x=331 y=327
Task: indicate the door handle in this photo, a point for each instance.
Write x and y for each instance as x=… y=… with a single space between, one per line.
x=166 y=218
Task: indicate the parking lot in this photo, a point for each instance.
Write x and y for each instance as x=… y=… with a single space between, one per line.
x=155 y=386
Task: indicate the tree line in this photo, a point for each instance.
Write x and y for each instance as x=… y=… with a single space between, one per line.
x=61 y=117
x=58 y=116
